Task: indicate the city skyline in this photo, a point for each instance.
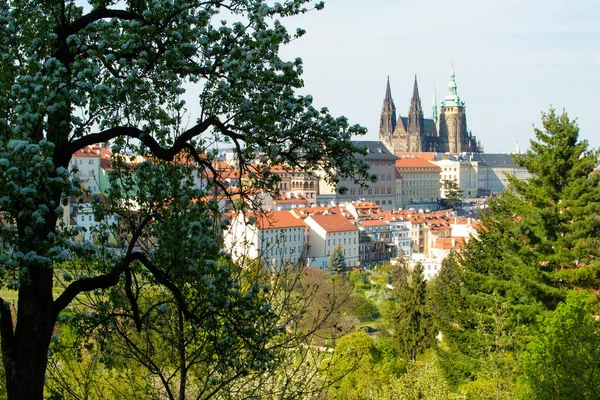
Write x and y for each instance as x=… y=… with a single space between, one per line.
x=512 y=62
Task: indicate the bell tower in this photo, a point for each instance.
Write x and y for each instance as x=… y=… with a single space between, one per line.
x=453 y=120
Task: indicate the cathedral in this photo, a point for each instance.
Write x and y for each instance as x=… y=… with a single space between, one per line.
x=446 y=132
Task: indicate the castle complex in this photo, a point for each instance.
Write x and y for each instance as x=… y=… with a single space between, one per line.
x=444 y=133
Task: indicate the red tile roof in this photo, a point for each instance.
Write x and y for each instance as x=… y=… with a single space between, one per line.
x=334 y=223
x=276 y=219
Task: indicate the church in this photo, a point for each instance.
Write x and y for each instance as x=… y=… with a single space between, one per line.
x=446 y=132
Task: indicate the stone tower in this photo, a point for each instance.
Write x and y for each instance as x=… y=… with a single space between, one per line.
x=387 y=122
x=416 y=125
x=453 y=121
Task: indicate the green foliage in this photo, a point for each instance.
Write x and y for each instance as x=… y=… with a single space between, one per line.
x=364 y=365
x=412 y=323
x=337 y=261
x=453 y=194
x=422 y=380
x=539 y=240
x=359 y=280
x=76 y=74
x=562 y=361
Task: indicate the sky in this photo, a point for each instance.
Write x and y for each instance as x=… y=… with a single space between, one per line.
x=513 y=60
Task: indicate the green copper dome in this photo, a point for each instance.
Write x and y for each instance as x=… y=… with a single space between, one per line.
x=452 y=99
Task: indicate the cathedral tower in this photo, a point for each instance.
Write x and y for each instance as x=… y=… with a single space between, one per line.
x=387 y=122
x=416 y=125
x=453 y=121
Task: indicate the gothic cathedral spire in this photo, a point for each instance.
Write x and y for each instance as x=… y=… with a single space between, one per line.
x=387 y=122
x=416 y=124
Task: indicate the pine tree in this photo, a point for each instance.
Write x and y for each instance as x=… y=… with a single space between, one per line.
x=453 y=194
x=539 y=239
x=413 y=327
x=337 y=260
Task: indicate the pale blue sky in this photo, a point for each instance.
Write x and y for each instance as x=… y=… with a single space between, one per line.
x=513 y=59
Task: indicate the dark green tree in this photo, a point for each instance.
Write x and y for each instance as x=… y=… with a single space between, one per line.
x=337 y=261
x=452 y=194
x=413 y=325
x=78 y=73
x=539 y=240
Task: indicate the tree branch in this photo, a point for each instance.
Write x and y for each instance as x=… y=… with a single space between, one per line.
x=101 y=13
x=136 y=133
x=162 y=279
x=88 y=284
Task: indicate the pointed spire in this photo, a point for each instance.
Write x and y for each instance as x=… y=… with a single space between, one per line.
x=517 y=149
x=388 y=91
x=415 y=90
x=452 y=99
x=416 y=124
x=387 y=122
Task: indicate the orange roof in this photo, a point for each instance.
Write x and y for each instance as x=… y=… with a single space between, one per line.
x=276 y=219
x=93 y=151
x=429 y=156
x=374 y=222
x=449 y=243
x=409 y=164
x=334 y=223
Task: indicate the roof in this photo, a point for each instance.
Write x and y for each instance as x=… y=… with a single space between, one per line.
x=406 y=164
x=93 y=151
x=276 y=219
x=494 y=160
x=449 y=243
x=334 y=223
x=376 y=151
x=374 y=222
x=428 y=124
x=429 y=156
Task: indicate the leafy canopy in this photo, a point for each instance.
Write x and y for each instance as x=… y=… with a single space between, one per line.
x=76 y=74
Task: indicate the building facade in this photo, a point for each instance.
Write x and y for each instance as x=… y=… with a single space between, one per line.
x=382 y=192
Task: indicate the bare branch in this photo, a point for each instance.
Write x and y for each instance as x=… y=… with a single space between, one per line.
x=102 y=13
x=136 y=133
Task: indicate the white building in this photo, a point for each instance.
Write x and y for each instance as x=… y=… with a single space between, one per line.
x=461 y=171
x=92 y=163
x=276 y=237
x=327 y=232
x=400 y=235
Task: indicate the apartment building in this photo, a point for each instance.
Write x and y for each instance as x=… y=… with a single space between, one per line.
x=276 y=237
x=328 y=231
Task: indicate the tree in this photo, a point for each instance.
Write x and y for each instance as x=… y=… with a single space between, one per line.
x=452 y=194
x=337 y=261
x=539 y=240
x=562 y=362
x=412 y=324
x=363 y=366
x=117 y=72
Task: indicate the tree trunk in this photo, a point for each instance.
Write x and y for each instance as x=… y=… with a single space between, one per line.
x=26 y=353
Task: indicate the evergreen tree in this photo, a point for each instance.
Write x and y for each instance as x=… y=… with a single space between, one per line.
x=413 y=326
x=337 y=261
x=539 y=239
x=452 y=194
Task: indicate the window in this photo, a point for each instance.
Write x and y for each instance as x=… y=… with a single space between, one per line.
x=89 y=218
